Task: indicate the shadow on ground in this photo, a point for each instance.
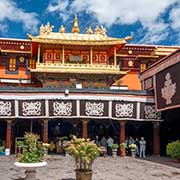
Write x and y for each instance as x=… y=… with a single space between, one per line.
x=164 y=161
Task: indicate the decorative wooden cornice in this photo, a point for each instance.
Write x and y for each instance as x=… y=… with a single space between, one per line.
x=161 y=65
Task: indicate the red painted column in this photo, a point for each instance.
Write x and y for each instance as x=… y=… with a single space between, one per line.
x=156 y=139
x=122 y=131
x=8 y=134
x=85 y=129
x=45 y=131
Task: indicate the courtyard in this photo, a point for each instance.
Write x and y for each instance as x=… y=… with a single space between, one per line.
x=109 y=168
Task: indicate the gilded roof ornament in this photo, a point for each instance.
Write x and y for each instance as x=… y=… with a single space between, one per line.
x=42 y=30
x=127 y=38
x=62 y=29
x=100 y=30
x=75 y=28
x=97 y=30
x=103 y=30
x=89 y=30
x=45 y=29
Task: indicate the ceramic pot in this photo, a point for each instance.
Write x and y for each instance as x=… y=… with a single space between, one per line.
x=123 y=152
x=30 y=169
x=114 y=152
x=83 y=175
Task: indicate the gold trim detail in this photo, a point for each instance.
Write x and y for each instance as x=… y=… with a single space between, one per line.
x=78 y=68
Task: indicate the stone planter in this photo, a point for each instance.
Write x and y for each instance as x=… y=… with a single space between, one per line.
x=30 y=169
x=133 y=153
x=114 y=152
x=83 y=175
x=123 y=152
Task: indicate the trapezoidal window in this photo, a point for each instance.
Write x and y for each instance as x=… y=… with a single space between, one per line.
x=12 y=64
x=32 y=63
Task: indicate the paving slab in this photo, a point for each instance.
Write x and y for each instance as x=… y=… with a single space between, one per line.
x=109 y=168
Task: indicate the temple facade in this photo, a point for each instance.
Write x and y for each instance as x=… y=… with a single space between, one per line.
x=59 y=83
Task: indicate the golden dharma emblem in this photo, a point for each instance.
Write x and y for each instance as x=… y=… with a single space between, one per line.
x=21 y=59
x=22 y=47
x=130 y=52
x=130 y=63
x=169 y=89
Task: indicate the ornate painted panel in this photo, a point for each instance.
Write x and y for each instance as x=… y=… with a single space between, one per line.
x=148 y=83
x=31 y=108
x=94 y=108
x=7 y=108
x=148 y=111
x=167 y=88
x=123 y=109
x=62 y=108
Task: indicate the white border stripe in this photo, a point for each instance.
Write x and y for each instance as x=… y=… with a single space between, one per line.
x=78 y=107
x=77 y=97
x=16 y=104
x=47 y=108
x=138 y=110
x=86 y=117
x=110 y=109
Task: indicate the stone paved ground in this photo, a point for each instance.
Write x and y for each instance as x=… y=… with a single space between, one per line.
x=61 y=168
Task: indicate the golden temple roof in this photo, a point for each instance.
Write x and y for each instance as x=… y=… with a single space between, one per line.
x=46 y=35
x=76 y=39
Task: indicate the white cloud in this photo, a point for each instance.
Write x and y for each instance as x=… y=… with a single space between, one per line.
x=60 y=6
x=3 y=27
x=10 y=11
x=109 y=12
x=155 y=32
x=175 y=18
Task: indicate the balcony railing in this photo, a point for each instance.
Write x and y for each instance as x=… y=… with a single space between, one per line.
x=78 y=68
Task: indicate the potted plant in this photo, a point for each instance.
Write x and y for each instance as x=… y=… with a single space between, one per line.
x=19 y=147
x=133 y=148
x=2 y=149
x=123 y=147
x=114 y=148
x=85 y=152
x=32 y=155
x=173 y=150
x=45 y=148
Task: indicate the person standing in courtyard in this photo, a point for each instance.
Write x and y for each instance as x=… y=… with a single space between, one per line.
x=142 y=145
x=97 y=141
x=103 y=142
x=110 y=142
x=137 y=144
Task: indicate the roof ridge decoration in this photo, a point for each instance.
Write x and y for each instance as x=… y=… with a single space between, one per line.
x=62 y=29
x=97 y=36
x=47 y=29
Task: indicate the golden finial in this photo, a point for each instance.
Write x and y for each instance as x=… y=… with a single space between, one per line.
x=75 y=28
x=128 y=38
x=62 y=29
x=89 y=30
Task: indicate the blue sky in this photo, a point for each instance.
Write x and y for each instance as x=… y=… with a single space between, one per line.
x=150 y=21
